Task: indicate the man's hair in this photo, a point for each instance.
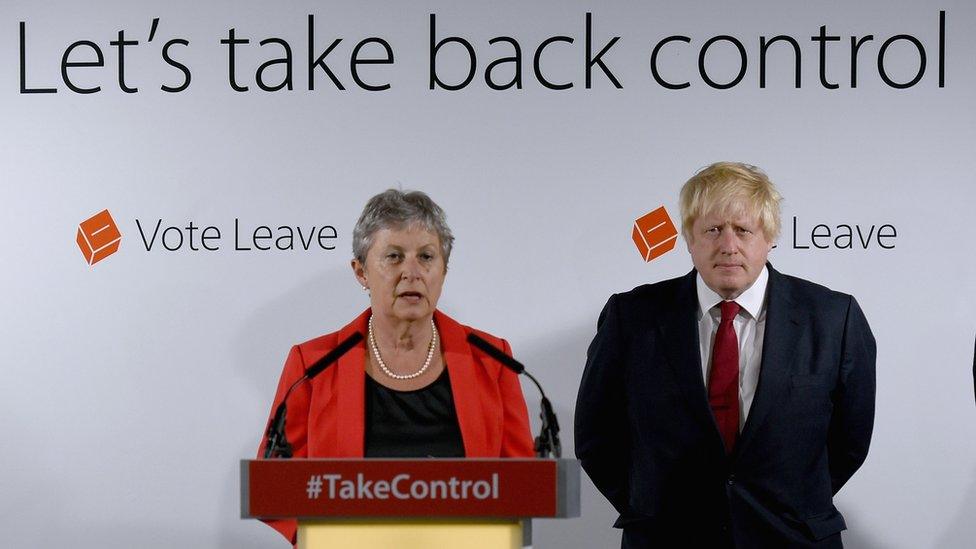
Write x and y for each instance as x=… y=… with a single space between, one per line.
x=731 y=188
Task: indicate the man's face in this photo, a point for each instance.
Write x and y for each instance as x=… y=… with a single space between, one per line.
x=729 y=251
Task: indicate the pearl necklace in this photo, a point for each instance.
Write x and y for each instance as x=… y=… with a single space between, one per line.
x=394 y=375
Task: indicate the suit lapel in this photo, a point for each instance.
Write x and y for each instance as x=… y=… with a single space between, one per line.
x=461 y=370
x=784 y=325
x=678 y=329
x=351 y=393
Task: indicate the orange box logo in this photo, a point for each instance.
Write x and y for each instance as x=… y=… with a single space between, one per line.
x=98 y=237
x=654 y=234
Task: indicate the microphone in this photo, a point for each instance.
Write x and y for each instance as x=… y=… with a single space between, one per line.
x=547 y=443
x=278 y=446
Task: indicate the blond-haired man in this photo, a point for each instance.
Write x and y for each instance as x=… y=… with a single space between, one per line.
x=726 y=408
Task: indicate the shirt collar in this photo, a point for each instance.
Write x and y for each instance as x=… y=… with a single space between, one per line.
x=752 y=300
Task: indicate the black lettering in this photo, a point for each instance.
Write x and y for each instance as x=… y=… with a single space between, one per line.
x=764 y=45
x=331 y=236
x=231 y=42
x=286 y=60
x=893 y=234
x=266 y=235
x=795 y=245
x=537 y=63
x=434 y=48
x=855 y=46
x=320 y=60
x=122 y=43
x=151 y=241
x=921 y=61
x=301 y=237
x=815 y=234
x=355 y=61
x=743 y=62
x=65 y=65
x=654 y=71
x=847 y=235
x=237 y=245
x=204 y=237
x=23 y=65
x=517 y=59
x=288 y=238
x=190 y=227
x=860 y=236
x=941 y=49
x=598 y=60
x=823 y=39
x=169 y=60
x=166 y=231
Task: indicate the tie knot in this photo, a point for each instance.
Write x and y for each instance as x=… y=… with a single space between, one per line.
x=729 y=310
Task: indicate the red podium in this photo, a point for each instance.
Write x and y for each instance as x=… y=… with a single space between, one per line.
x=407 y=503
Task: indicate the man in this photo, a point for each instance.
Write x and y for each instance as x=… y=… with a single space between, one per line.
x=725 y=408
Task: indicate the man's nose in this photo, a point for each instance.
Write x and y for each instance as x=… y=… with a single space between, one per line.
x=728 y=242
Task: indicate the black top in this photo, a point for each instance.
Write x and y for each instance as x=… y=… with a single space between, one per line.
x=419 y=423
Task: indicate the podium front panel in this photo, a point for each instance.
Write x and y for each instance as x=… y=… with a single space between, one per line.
x=351 y=488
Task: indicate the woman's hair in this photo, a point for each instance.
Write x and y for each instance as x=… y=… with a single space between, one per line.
x=397 y=209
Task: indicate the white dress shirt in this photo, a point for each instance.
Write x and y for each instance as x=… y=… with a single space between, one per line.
x=749 y=325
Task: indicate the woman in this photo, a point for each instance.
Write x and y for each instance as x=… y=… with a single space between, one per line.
x=414 y=387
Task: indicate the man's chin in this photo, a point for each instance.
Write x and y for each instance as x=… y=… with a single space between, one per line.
x=730 y=288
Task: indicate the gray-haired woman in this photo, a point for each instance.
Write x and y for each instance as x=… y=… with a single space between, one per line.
x=414 y=387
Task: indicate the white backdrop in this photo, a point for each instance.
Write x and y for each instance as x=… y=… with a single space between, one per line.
x=132 y=388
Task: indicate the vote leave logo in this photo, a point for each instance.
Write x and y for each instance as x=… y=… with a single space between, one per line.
x=654 y=234
x=98 y=237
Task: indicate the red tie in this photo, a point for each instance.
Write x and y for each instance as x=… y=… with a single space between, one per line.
x=723 y=380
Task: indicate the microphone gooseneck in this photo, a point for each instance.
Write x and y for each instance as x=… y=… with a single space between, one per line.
x=277 y=444
x=547 y=443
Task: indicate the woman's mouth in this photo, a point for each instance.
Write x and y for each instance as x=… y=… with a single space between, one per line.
x=411 y=297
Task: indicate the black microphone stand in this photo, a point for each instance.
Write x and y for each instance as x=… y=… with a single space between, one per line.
x=277 y=444
x=547 y=443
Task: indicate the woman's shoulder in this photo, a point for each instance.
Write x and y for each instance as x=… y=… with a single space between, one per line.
x=456 y=329
x=448 y=324
x=490 y=338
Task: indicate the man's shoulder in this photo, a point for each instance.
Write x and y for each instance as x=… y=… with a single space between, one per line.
x=658 y=294
x=809 y=294
x=664 y=287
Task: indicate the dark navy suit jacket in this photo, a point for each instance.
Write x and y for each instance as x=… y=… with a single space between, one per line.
x=646 y=436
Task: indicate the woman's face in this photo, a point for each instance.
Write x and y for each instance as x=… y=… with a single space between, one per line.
x=404 y=272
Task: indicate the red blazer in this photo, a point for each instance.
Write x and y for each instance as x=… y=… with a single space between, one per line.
x=326 y=416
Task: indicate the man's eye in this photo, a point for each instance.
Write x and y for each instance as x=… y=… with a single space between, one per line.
x=426 y=257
